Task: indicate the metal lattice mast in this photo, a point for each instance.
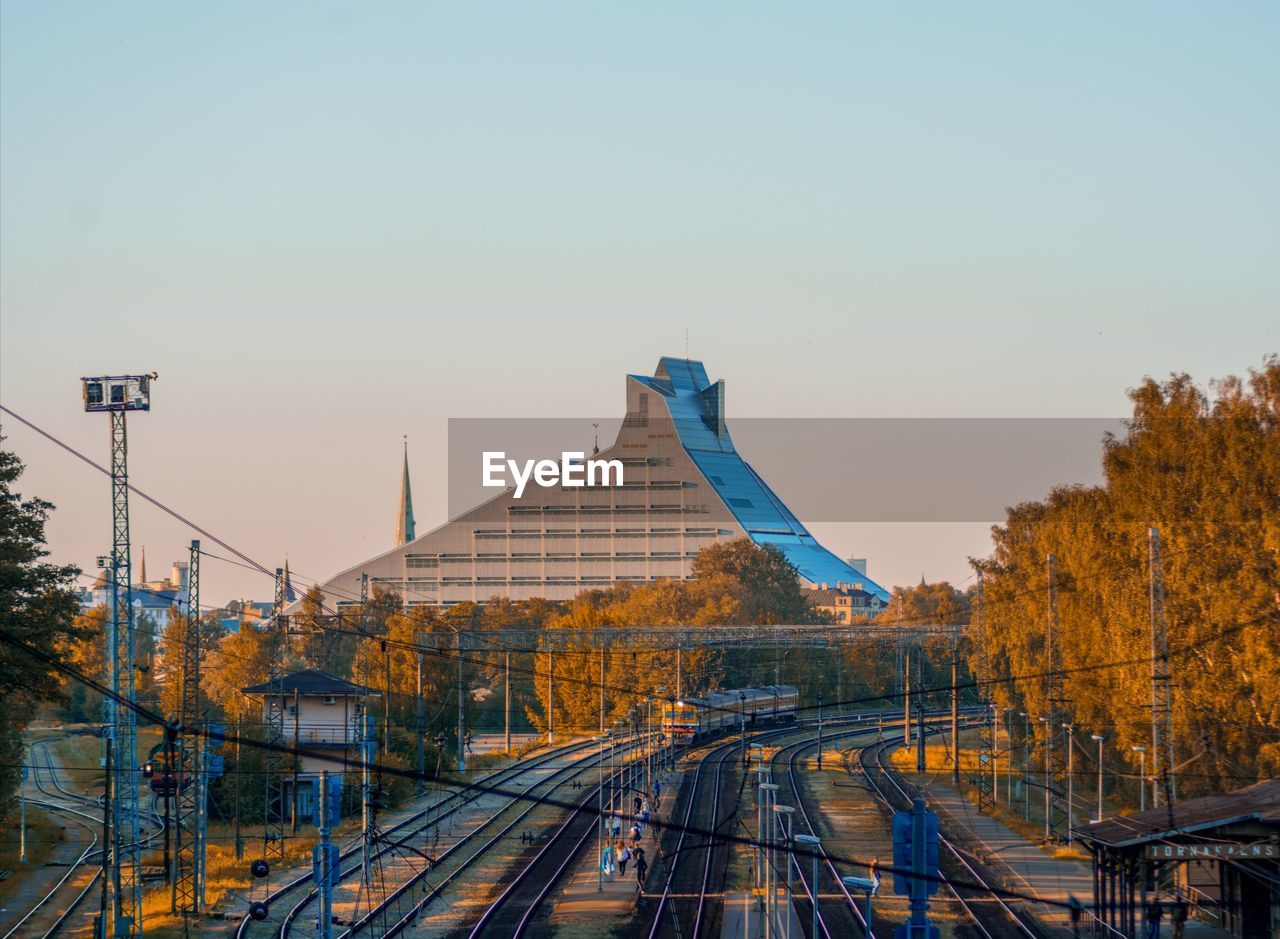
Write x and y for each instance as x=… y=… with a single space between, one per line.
x=987 y=748
x=1055 y=709
x=126 y=849
x=1161 y=680
x=187 y=857
x=273 y=807
x=122 y=884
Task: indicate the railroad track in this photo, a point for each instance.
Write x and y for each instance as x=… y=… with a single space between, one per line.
x=716 y=757
x=519 y=905
x=401 y=908
x=684 y=899
x=82 y=810
x=391 y=841
x=894 y=793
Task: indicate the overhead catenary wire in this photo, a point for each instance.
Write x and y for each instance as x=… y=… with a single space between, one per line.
x=470 y=787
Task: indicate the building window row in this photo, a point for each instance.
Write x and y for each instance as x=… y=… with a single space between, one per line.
x=674 y=507
x=560 y=556
x=591 y=533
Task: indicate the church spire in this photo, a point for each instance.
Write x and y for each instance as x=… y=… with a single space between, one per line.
x=289 y=595
x=404 y=527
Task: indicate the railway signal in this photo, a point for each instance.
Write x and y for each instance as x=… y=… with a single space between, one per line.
x=915 y=850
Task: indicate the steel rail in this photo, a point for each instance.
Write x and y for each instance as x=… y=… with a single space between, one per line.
x=1018 y=920
x=465 y=794
x=568 y=772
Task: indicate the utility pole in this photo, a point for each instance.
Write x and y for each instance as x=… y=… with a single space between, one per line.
x=239 y=839
x=988 y=730
x=551 y=696
x=462 y=711
x=367 y=742
x=386 y=700
x=602 y=687
x=325 y=860
x=108 y=862
x=189 y=858
x=421 y=720
x=906 y=699
x=506 y=704
x=1055 y=704
x=117 y=395
x=920 y=760
x=1161 y=679
x=297 y=716
x=819 y=730
x=955 y=717
x=273 y=775
x=1070 y=729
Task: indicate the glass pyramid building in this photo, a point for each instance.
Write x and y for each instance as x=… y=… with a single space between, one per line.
x=686 y=487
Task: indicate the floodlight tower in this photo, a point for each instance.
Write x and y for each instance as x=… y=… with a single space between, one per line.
x=117 y=395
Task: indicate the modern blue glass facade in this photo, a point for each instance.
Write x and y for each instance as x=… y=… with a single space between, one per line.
x=696 y=407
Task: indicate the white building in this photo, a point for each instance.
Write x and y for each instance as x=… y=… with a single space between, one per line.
x=685 y=487
x=322 y=714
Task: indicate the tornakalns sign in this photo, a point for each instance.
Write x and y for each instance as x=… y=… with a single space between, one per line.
x=573 y=470
x=1213 y=849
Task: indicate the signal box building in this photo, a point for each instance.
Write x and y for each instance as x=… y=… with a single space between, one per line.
x=685 y=486
x=321 y=715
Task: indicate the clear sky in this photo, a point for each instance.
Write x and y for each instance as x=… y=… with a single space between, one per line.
x=328 y=225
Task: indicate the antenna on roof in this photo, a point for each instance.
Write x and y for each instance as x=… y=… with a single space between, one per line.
x=686 y=343
x=595 y=445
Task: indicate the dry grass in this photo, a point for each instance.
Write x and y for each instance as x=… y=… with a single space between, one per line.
x=937 y=759
x=44 y=834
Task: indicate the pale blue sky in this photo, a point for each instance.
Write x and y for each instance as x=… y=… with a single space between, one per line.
x=328 y=225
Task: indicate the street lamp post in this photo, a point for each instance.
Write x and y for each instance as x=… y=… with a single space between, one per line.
x=1099 y=738
x=814 y=845
x=768 y=792
x=865 y=884
x=784 y=813
x=1142 y=777
x=742 y=724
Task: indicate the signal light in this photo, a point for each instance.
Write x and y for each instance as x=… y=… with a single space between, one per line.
x=258 y=911
x=260 y=868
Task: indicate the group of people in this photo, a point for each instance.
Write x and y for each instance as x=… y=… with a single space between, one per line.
x=620 y=852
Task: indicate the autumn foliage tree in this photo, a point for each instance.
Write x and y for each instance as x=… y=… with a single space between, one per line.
x=38 y=609
x=1202 y=467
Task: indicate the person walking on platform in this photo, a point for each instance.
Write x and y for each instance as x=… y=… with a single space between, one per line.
x=1155 y=913
x=874 y=870
x=657 y=792
x=624 y=855
x=642 y=870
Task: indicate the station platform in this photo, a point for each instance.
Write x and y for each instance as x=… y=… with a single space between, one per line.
x=1030 y=868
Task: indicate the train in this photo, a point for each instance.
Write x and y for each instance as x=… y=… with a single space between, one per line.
x=698 y=716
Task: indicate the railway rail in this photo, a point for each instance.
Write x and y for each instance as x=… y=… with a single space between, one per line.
x=894 y=793
x=392 y=839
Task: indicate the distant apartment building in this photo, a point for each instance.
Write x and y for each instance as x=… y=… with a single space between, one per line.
x=844 y=603
x=685 y=487
x=155 y=598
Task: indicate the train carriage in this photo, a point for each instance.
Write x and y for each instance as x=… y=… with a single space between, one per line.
x=698 y=716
